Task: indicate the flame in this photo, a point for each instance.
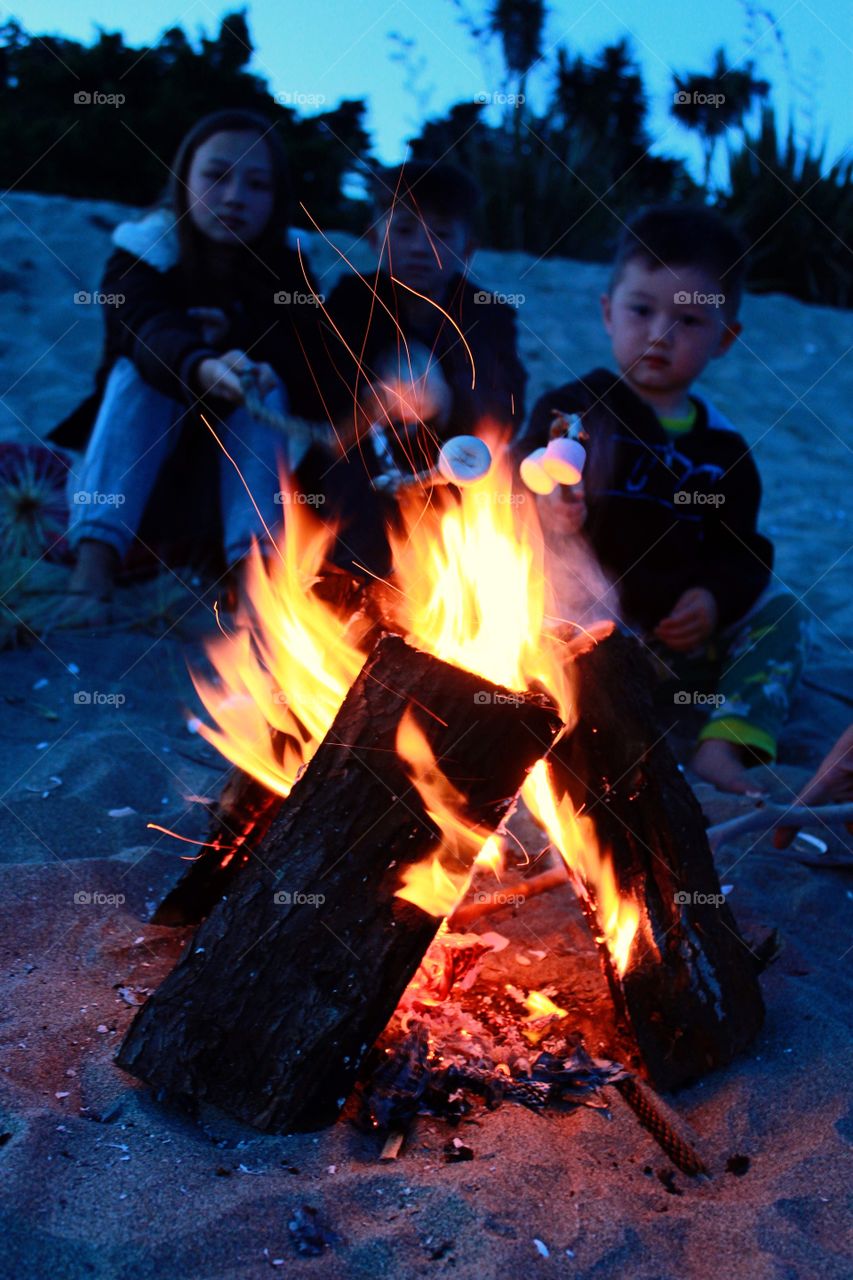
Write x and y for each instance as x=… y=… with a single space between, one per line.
x=438 y=882
x=541 y=1006
x=573 y=835
x=287 y=666
x=470 y=567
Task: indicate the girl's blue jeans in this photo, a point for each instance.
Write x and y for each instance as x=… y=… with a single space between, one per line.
x=136 y=430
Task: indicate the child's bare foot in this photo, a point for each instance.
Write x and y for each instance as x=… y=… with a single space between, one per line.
x=95 y=572
x=722 y=764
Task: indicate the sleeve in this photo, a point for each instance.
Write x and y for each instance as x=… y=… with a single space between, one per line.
x=161 y=340
x=737 y=559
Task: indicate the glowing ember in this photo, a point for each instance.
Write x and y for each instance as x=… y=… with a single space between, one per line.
x=541 y=1006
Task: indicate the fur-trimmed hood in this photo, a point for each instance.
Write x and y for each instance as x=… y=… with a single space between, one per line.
x=154 y=239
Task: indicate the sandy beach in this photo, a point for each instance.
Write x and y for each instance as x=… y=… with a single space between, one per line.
x=100 y=1180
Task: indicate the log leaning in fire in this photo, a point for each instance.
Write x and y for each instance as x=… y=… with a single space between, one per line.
x=690 y=992
x=289 y=981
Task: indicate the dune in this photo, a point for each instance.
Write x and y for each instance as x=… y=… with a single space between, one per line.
x=100 y=1180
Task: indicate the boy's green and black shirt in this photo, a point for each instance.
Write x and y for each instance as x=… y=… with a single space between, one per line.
x=667 y=510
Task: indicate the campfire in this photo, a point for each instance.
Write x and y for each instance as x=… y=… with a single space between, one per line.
x=383 y=738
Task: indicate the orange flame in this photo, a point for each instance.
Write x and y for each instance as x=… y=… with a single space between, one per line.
x=288 y=665
x=437 y=883
x=574 y=836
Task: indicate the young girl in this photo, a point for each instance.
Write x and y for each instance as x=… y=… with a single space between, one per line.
x=206 y=299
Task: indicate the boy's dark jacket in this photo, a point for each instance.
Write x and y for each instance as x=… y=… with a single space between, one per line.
x=655 y=543
x=152 y=328
x=371 y=333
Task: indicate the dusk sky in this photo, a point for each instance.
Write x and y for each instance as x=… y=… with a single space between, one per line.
x=325 y=50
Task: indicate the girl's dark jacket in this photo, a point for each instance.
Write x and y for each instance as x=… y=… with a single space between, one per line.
x=270 y=319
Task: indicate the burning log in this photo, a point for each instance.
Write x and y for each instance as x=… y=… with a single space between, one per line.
x=688 y=990
x=287 y=984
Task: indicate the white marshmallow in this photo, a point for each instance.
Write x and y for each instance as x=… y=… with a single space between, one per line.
x=534 y=474
x=564 y=460
x=464 y=460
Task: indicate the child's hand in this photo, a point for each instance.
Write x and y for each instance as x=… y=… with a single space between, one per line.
x=691 y=622
x=563 y=511
x=213 y=322
x=220 y=376
x=409 y=397
x=833 y=782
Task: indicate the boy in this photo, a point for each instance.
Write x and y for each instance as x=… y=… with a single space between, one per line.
x=672 y=493
x=416 y=349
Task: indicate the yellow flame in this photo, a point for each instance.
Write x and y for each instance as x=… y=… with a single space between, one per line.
x=573 y=835
x=287 y=666
x=438 y=882
x=470 y=566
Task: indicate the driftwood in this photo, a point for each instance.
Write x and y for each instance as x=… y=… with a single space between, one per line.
x=690 y=995
x=285 y=987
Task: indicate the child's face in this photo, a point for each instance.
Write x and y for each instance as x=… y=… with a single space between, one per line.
x=665 y=325
x=230 y=187
x=424 y=252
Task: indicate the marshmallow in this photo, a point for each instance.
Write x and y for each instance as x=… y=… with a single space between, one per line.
x=564 y=460
x=464 y=460
x=534 y=474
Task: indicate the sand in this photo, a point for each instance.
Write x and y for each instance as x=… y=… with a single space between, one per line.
x=98 y=1179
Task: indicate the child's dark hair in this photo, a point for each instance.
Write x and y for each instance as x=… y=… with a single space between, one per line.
x=438 y=188
x=681 y=235
x=233 y=120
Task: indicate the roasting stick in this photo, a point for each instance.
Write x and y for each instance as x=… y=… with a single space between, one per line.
x=777 y=815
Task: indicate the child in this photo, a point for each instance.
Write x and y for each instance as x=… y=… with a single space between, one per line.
x=672 y=493
x=200 y=291
x=416 y=348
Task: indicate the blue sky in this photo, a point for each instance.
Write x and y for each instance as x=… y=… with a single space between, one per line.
x=322 y=50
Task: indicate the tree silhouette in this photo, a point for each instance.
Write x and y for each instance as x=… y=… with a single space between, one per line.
x=715 y=103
